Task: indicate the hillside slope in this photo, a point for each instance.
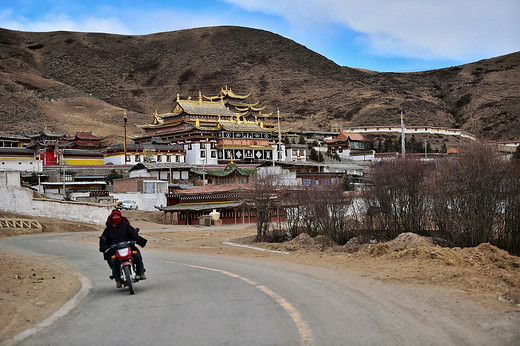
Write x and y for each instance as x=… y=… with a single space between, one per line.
x=71 y=81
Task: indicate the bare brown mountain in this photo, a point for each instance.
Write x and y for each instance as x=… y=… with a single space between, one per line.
x=71 y=81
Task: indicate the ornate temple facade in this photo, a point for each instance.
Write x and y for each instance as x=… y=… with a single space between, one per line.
x=216 y=130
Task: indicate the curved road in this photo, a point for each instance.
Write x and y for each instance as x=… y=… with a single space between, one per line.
x=216 y=300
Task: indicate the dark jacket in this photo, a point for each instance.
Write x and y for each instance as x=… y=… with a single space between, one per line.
x=116 y=234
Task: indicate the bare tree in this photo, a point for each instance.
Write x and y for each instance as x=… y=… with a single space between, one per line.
x=509 y=229
x=296 y=211
x=264 y=196
x=467 y=195
x=394 y=197
x=330 y=207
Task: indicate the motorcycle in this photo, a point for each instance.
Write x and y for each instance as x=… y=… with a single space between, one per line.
x=127 y=270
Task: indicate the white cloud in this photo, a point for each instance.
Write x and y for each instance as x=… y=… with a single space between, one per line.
x=453 y=29
x=125 y=22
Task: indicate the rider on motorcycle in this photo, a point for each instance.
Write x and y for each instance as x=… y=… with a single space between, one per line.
x=118 y=230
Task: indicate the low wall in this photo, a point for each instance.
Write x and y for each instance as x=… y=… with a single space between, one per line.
x=17 y=199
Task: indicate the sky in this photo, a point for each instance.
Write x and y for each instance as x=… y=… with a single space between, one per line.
x=380 y=35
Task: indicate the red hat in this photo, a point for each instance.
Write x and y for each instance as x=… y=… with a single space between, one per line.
x=115 y=212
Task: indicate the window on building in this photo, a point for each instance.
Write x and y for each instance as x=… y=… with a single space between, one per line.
x=203 y=153
x=159 y=158
x=213 y=154
x=168 y=158
x=213 y=145
x=307 y=182
x=137 y=157
x=189 y=146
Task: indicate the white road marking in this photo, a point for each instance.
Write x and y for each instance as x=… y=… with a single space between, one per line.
x=255 y=248
x=303 y=328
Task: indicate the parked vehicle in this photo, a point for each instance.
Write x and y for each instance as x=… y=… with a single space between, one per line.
x=129 y=205
x=127 y=270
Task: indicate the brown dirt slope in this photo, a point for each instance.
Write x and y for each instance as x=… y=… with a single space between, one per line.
x=74 y=81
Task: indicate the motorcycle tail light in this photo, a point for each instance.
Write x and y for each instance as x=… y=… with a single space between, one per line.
x=113 y=256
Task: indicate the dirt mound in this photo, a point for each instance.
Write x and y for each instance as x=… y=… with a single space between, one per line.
x=487 y=255
x=410 y=240
x=303 y=239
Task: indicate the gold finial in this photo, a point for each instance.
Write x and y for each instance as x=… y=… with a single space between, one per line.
x=231 y=161
x=261 y=124
x=222 y=99
x=197 y=122
x=178 y=97
x=200 y=97
x=219 y=118
x=189 y=98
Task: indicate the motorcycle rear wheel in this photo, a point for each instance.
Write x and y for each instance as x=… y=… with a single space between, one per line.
x=128 y=277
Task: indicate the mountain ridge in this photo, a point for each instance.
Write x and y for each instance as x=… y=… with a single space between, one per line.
x=72 y=81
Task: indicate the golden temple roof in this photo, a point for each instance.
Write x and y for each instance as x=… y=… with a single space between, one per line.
x=245 y=107
x=227 y=92
x=199 y=107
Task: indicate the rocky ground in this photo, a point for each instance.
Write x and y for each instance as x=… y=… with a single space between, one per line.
x=31 y=291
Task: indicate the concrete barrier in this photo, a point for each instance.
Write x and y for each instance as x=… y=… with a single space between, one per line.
x=18 y=199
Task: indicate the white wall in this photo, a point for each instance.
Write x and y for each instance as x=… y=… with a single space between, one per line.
x=145 y=201
x=18 y=199
x=21 y=165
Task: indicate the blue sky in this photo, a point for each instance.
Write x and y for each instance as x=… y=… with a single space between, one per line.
x=381 y=35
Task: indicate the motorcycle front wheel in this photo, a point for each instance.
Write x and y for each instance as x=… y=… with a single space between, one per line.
x=128 y=277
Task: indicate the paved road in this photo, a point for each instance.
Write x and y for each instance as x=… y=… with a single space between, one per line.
x=217 y=300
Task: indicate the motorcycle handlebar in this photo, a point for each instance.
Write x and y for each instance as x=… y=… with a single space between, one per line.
x=121 y=245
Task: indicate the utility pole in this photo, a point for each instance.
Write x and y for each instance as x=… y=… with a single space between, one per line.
x=124 y=143
x=403 y=148
x=425 y=148
x=61 y=152
x=279 y=134
x=204 y=164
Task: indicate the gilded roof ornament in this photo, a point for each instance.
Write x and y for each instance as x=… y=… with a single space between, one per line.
x=178 y=97
x=200 y=97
